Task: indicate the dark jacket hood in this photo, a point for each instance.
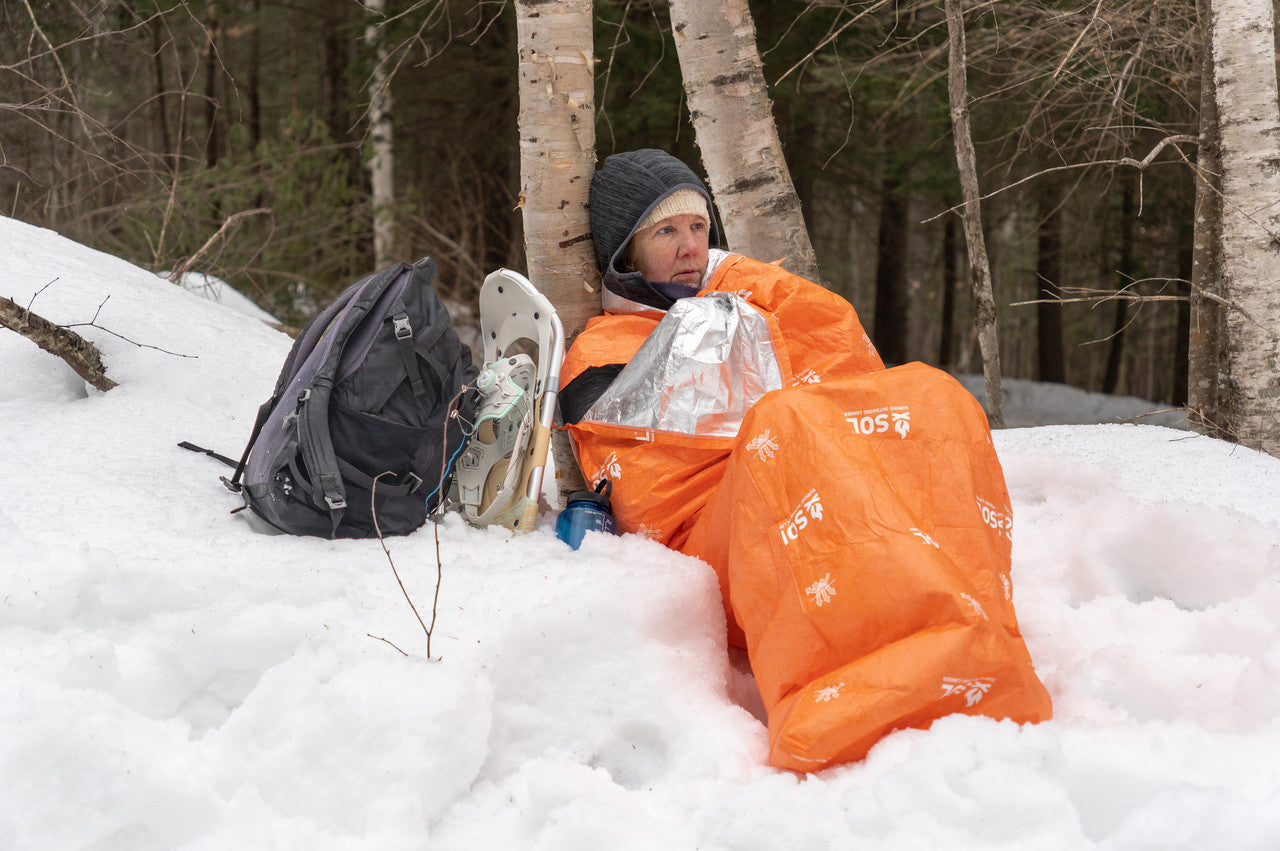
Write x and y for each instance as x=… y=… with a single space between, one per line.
x=623 y=191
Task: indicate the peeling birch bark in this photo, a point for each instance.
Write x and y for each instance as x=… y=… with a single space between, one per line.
x=733 y=119
x=557 y=160
x=1249 y=126
x=78 y=353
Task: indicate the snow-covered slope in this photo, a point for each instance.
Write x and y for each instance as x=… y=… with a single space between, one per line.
x=175 y=679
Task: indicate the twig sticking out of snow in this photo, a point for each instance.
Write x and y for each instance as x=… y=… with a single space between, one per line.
x=373 y=508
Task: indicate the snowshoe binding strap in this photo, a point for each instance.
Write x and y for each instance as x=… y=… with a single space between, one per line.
x=488 y=472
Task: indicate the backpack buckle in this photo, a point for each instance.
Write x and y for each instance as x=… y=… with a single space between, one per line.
x=332 y=492
x=403 y=329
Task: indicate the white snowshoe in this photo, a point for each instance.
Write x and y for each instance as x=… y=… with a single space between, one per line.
x=499 y=475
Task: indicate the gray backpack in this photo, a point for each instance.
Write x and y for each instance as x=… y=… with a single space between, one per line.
x=367 y=389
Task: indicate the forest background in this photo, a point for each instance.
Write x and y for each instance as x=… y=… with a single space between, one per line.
x=229 y=136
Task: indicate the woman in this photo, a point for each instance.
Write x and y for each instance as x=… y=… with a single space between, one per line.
x=856 y=517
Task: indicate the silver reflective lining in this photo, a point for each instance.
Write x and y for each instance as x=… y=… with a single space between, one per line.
x=708 y=361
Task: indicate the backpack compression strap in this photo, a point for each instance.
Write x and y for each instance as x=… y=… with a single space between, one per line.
x=410 y=353
x=404 y=337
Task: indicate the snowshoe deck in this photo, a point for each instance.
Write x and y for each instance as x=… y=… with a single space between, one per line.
x=500 y=472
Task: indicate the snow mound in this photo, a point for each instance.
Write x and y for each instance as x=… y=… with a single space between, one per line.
x=174 y=679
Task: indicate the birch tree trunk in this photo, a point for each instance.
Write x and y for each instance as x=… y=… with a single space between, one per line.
x=967 y=160
x=381 y=162
x=733 y=120
x=1249 y=123
x=557 y=159
x=557 y=154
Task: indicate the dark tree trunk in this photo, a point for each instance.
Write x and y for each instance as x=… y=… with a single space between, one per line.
x=161 y=100
x=1049 y=274
x=950 y=283
x=890 y=322
x=339 y=37
x=336 y=46
x=984 y=306
x=1126 y=267
x=255 y=74
x=214 y=146
x=1182 y=334
x=1205 y=337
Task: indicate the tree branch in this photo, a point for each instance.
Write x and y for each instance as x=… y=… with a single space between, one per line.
x=185 y=265
x=1129 y=161
x=1096 y=297
x=79 y=354
x=93 y=323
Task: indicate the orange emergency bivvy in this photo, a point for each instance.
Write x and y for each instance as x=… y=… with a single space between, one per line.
x=857 y=517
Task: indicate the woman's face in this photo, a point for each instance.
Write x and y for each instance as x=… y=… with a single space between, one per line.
x=675 y=249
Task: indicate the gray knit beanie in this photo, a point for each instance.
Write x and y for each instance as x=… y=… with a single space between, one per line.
x=626 y=189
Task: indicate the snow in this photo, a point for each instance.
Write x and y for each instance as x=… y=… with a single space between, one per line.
x=175 y=678
x=1037 y=403
x=216 y=289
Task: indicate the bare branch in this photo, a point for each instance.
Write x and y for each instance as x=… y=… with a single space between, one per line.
x=93 y=323
x=1121 y=161
x=380 y=638
x=78 y=353
x=832 y=36
x=181 y=269
x=373 y=509
x=66 y=80
x=1095 y=296
x=1076 y=44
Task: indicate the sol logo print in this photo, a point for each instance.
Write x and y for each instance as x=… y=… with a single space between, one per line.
x=828 y=693
x=610 y=468
x=821 y=591
x=764 y=445
x=810 y=508
x=1001 y=521
x=973 y=690
x=880 y=420
x=807 y=376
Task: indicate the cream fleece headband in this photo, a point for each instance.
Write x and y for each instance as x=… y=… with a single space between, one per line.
x=682 y=201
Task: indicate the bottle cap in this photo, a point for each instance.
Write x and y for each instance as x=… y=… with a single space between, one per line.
x=599 y=496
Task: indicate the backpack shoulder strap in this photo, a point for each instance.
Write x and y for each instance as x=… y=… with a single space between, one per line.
x=314 y=440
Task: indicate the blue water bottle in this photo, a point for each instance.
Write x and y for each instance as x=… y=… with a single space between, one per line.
x=587 y=511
